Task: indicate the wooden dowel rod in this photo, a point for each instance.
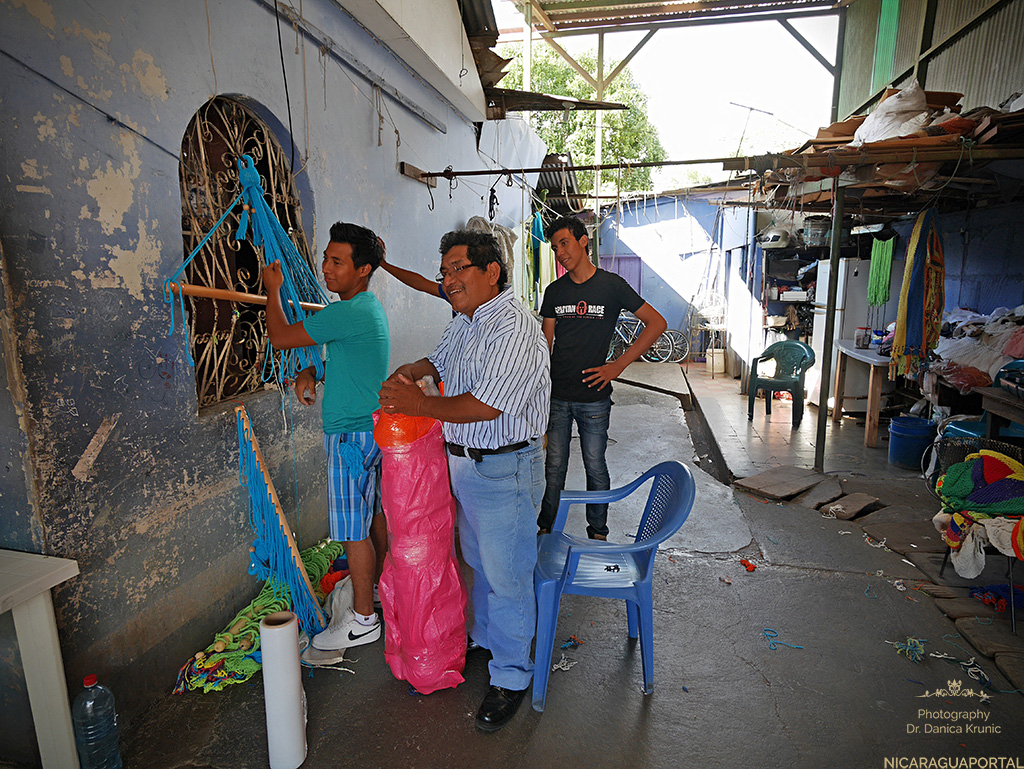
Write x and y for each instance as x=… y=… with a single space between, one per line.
x=205 y=292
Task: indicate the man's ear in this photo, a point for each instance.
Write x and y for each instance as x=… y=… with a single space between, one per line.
x=364 y=270
x=583 y=241
x=493 y=273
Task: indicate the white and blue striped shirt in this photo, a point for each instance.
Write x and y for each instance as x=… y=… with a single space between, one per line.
x=500 y=356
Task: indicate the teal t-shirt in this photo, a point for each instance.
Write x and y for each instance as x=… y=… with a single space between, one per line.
x=355 y=334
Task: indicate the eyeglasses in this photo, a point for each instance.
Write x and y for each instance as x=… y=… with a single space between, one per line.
x=450 y=271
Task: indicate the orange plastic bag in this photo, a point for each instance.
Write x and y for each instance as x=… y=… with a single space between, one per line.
x=422 y=593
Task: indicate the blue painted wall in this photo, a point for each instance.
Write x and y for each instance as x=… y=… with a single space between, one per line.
x=96 y=99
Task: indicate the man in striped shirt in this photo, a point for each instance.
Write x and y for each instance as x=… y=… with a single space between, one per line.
x=494 y=362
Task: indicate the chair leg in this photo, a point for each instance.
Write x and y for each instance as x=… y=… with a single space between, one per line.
x=632 y=619
x=751 y=397
x=646 y=613
x=798 y=406
x=549 y=598
x=768 y=394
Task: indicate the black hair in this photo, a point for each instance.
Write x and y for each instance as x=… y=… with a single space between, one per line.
x=365 y=246
x=571 y=223
x=481 y=248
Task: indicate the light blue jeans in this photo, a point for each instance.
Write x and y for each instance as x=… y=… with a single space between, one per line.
x=497 y=500
x=592 y=423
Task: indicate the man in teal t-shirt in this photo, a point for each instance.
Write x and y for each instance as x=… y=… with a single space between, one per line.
x=355 y=334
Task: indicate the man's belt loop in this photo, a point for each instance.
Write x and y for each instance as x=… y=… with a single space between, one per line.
x=477 y=455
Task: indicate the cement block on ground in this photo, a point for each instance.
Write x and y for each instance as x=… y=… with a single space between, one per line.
x=990 y=638
x=897 y=514
x=816 y=496
x=780 y=482
x=958 y=608
x=1011 y=664
x=907 y=537
x=944 y=591
x=850 y=505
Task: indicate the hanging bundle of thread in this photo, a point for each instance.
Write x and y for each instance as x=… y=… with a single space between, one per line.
x=300 y=284
x=233 y=656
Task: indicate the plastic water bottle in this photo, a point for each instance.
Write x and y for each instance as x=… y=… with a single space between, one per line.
x=96 y=727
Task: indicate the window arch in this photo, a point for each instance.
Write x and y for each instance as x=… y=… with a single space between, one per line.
x=228 y=338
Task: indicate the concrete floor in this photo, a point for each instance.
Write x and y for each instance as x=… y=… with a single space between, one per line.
x=832 y=691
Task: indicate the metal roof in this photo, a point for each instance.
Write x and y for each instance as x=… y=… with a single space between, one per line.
x=568 y=16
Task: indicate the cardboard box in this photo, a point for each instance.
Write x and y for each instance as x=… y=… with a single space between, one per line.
x=793 y=296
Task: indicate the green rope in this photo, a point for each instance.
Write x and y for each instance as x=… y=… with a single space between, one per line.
x=881 y=267
x=229 y=659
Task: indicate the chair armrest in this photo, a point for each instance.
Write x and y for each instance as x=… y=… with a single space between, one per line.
x=567 y=498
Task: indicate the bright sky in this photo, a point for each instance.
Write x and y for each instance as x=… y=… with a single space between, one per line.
x=691 y=74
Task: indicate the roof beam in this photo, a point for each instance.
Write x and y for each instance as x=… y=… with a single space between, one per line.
x=808 y=46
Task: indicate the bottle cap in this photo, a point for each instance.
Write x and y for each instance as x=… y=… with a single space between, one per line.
x=89 y=680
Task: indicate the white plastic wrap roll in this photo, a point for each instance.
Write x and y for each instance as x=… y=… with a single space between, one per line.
x=282 y=690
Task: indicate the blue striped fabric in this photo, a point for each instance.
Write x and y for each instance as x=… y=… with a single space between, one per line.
x=500 y=356
x=353 y=469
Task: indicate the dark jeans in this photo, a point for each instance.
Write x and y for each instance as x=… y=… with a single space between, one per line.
x=592 y=423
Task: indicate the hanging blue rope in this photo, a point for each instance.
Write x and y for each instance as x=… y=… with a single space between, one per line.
x=271 y=557
x=300 y=284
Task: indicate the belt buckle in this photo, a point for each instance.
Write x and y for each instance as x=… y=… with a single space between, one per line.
x=475 y=454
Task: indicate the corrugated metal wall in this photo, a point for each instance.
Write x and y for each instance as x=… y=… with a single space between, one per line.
x=986 y=64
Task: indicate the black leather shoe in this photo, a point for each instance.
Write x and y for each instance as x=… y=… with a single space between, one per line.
x=471 y=645
x=498 y=708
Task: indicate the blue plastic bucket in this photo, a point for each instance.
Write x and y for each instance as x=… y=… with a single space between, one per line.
x=909 y=437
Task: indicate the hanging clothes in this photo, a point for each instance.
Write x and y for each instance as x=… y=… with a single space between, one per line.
x=880 y=272
x=922 y=297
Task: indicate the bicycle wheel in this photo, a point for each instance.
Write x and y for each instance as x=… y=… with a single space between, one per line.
x=680 y=345
x=660 y=351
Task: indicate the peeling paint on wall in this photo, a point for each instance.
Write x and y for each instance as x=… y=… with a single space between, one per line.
x=113 y=189
x=30 y=169
x=132 y=266
x=152 y=80
x=40 y=189
x=40 y=10
x=66 y=66
x=46 y=129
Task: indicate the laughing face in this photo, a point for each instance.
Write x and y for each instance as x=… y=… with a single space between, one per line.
x=466 y=286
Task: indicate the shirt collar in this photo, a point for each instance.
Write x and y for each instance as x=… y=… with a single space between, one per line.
x=490 y=308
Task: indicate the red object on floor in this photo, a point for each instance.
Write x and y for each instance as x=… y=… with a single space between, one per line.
x=750 y=566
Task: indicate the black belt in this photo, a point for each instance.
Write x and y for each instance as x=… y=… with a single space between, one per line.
x=478 y=454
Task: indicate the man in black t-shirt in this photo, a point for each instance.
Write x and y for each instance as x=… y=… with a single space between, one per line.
x=579 y=312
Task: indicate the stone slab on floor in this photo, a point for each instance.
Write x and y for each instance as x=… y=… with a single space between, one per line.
x=780 y=482
x=991 y=637
x=897 y=514
x=958 y=608
x=943 y=591
x=816 y=496
x=850 y=505
x=663 y=377
x=907 y=537
x=1011 y=665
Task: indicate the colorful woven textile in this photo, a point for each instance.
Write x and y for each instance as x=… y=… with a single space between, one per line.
x=880 y=273
x=922 y=297
x=985 y=485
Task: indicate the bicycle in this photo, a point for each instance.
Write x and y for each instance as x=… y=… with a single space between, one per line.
x=627 y=330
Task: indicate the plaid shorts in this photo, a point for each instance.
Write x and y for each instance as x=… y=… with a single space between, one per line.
x=353 y=484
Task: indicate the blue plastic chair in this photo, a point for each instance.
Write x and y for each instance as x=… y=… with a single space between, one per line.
x=966 y=429
x=607 y=569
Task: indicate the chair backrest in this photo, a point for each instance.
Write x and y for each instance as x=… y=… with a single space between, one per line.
x=668 y=504
x=792 y=357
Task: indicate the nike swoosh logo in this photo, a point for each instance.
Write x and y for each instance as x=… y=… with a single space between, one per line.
x=353 y=637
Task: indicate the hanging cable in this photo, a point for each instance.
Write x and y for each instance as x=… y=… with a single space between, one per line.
x=284 y=75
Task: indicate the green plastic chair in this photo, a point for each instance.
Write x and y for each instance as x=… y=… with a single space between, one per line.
x=792 y=359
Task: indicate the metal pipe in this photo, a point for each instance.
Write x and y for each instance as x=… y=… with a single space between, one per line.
x=838 y=195
x=205 y=292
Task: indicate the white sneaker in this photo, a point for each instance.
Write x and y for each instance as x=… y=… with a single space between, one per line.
x=339 y=599
x=345 y=631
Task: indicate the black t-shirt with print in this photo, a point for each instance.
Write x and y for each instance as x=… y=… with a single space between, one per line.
x=585 y=315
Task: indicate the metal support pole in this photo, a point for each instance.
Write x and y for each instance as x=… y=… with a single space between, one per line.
x=595 y=254
x=830 y=325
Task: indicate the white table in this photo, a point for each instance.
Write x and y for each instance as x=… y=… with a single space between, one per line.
x=879 y=365
x=25 y=582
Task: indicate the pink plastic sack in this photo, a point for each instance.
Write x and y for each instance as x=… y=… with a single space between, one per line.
x=422 y=593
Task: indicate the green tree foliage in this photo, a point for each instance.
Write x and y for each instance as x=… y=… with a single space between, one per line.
x=629 y=135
